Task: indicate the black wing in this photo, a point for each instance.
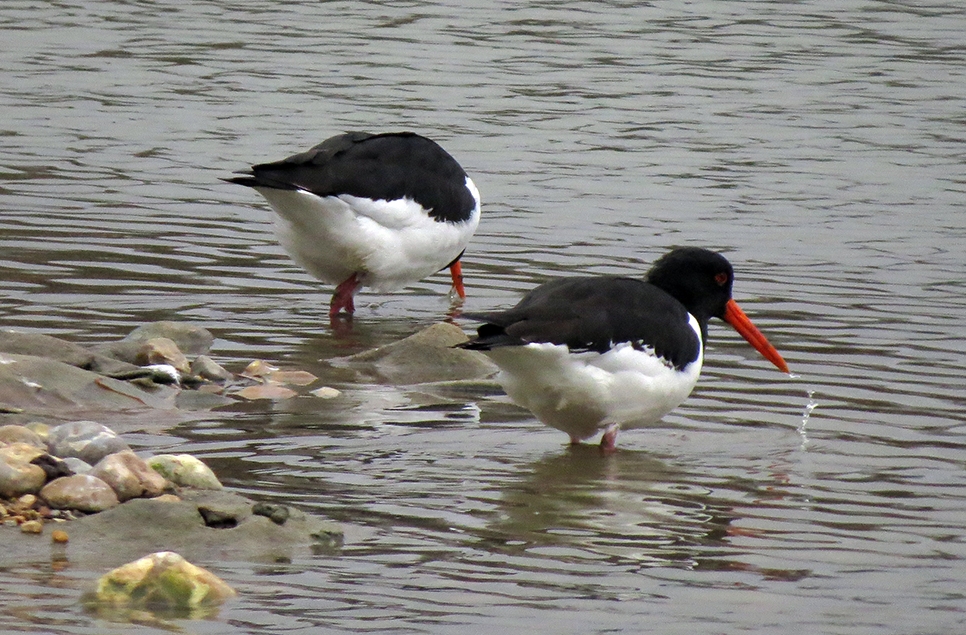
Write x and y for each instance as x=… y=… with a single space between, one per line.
x=594 y=314
x=386 y=167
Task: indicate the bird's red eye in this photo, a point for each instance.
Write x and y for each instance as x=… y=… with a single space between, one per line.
x=721 y=279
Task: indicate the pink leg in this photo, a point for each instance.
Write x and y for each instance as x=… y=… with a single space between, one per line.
x=456 y=271
x=608 y=442
x=342 y=298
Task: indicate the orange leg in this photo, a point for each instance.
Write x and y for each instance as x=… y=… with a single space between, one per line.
x=456 y=270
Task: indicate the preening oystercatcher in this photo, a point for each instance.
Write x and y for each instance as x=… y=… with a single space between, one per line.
x=375 y=210
x=607 y=352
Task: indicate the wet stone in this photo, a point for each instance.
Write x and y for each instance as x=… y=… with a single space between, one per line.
x=81 y=492
x=86 y=440
x=185 y=470
x=76 y=465
x=129 y=476
x=21 y=434
x=208 y=369
x=161 y=351
x=18 y=476
x=189 y=338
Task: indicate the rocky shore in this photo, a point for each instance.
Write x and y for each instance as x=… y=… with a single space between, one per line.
x=68 y=476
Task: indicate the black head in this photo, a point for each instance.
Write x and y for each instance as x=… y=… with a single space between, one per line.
x=697 y=278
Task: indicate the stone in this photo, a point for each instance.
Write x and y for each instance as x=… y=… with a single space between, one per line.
x=86 y=440
x=21 y=434
x=37 y=385
x=129 y=476
x=76 y=465
x=59 y=536
x=424 y=357
x=190 y=338
x=32 y=527
x=18 y=476
x=206 y=368
x=55 y=349
x=160 y=351
x=184 y=470
x=82 y=492
x=162 y=581
x=266 y=391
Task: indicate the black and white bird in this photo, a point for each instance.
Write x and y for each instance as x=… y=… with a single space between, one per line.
x=592 y=354
x=375 y=210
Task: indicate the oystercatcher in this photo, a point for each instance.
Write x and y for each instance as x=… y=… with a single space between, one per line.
x=375 y=210
x=607 y=352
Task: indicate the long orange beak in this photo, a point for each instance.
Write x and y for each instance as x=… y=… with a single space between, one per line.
x=734 y=316
x=456 y=270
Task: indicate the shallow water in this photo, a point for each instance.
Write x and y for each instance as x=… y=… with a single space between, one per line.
x=819 y=144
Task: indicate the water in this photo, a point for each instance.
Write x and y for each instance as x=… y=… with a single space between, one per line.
x=819 y=144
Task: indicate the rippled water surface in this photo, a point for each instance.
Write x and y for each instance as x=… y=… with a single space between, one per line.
x=819 y=144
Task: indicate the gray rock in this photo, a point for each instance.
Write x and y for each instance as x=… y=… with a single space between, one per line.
x=190 y=338
x=18 y=476
x=207 y=368
x=82 y=492
x=424 y=357
x=77 y=466
x=146 y=525
x=129 y=476
x=87 y=440
x=39 y=385
x=52 y=348
x=162 y=350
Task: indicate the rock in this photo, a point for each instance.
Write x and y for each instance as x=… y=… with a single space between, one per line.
x=21 y=434
x=129 y=476
x=426 y=356
x=266 y=391
x=86 y=440
x=76 y=465
x=191 y=339
x=162 y=581
x=82 y=492
x=59 y=536
x=159 y=351
x=32 y=527
x=52 y=466
x=35 y=384
x=208 y=369
x=326 y=392
x=184 y=470
x=18 y=476
x=52 y=348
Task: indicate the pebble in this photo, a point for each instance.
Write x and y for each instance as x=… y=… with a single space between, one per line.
x=129 y=476
x=86 y=440
x=81 y=492
x=59 y=535
x=32 y=527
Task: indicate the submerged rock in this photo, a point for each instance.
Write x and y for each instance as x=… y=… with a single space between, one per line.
x=162 y=580
x=424 y=357
x=129 y=476
x=185 y=470
x=86 y=440
x=208 y=369
x=190 y=338
x=82 y=492
x=55 y=349
x=162 y=350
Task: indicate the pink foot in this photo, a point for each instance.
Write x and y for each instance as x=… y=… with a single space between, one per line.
x=608 y=442
x=342 y=298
